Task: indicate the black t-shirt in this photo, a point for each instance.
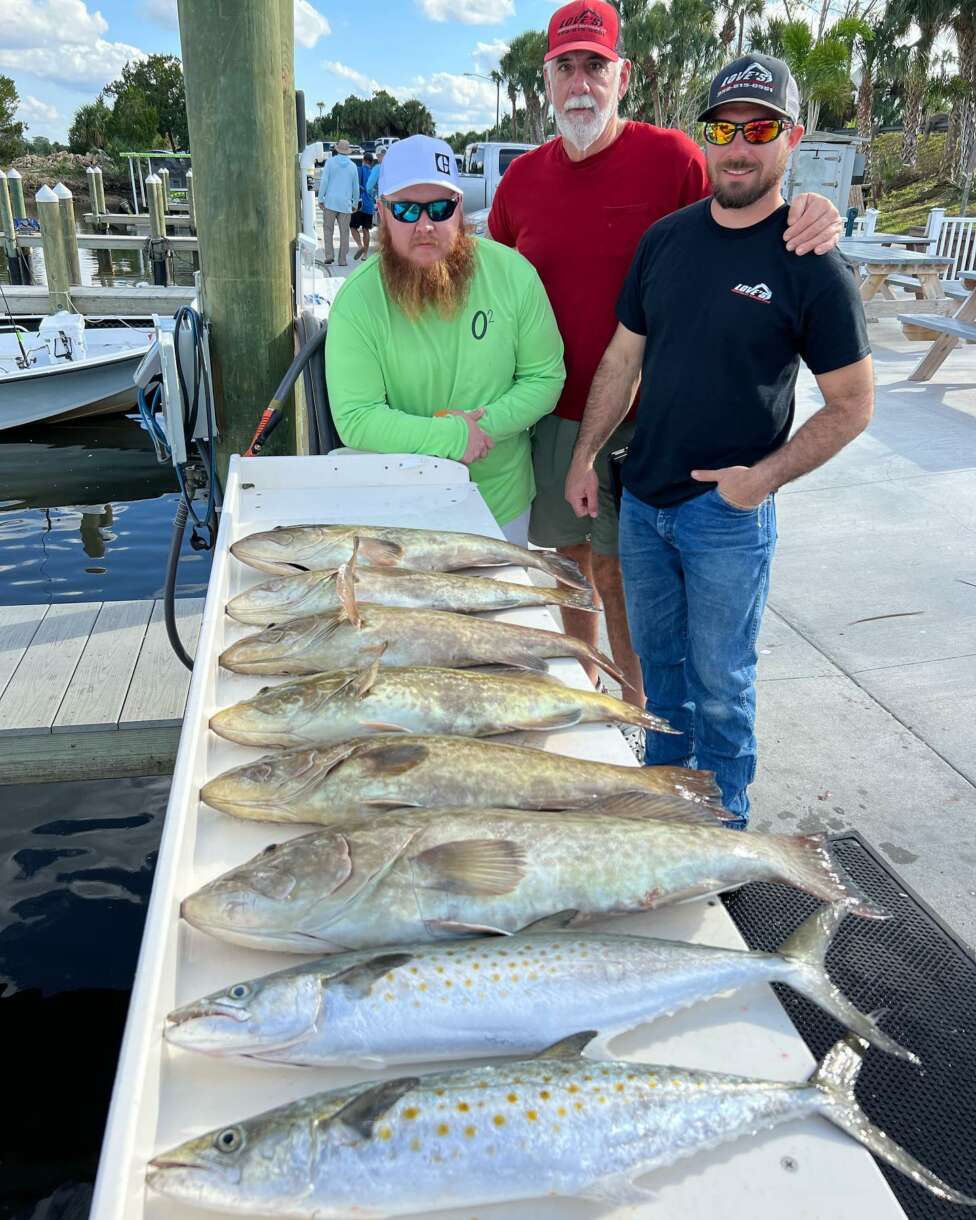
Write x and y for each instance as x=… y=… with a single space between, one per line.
x=727 y=313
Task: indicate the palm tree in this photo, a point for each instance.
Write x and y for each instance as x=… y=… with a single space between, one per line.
x=878 y=57
x=963 y=22
x=930 y=16
x=508 y=67
x=526 y=54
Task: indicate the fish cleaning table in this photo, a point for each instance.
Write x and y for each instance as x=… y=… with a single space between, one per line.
x=804 y=1170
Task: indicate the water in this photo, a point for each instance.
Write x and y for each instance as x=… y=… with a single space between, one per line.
x=85 y=515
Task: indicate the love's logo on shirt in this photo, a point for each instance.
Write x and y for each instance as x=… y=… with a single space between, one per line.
x=755 y=292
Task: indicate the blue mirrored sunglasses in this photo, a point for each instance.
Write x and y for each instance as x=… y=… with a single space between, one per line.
x=410 y=212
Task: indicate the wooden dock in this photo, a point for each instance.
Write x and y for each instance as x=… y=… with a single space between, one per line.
x=91 y=690
x=109 y=241
x=31 y=301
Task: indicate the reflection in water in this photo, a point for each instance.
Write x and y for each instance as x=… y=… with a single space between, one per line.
x=78 y=862
x=82 y=490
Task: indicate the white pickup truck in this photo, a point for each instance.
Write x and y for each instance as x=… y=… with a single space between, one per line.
x=484 y=165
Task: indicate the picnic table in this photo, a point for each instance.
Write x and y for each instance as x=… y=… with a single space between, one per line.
x=961 y=326
x=888 y=239
x=880 y=263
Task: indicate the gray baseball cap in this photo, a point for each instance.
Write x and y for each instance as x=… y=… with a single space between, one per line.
x=755 y=78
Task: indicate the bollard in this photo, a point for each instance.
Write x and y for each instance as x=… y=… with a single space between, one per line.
x=66 y=205
x=92 y=193
x=157 y=231
x=164 y=178
x=9 y=237
x=100 y=190
x=106 y=266
x=16 y=185
x=57 y=266
x=189 y=201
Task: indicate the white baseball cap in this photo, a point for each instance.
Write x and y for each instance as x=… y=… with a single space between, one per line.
x=416 y=161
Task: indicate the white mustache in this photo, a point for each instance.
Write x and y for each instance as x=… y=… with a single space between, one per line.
x=580 y=103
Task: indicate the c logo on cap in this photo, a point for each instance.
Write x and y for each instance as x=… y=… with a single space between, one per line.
x=442 y=162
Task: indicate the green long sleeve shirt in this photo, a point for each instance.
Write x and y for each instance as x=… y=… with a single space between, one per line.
x=388 y=376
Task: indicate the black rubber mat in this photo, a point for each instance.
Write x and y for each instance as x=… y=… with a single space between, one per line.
x=919 y=971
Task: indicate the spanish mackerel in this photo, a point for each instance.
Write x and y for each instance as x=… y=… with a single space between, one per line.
x=377 y=774
x=317 y=548
x=291 y=597
x=501 y=995
x=328 y=708
x=557 y=1124
x=398 y=636
x=426 y=875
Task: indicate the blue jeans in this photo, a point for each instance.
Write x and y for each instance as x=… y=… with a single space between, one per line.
x=696 y=578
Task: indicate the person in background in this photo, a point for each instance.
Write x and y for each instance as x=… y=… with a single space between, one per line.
x=339 y=197
x=716 y=356
x=362 y=218
x=373 y=185
x=444 y=344
x=577 y=207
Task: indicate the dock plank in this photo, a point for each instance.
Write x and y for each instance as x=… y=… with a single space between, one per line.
x=157 y=693
x=18 y=625
x=102 y=679
x=33 y=695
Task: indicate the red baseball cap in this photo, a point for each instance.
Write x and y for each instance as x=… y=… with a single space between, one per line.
x=585 y=25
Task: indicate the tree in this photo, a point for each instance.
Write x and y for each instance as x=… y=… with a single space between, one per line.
x=90 y=127
x=11 y=133
x=963 y=22
x=525 y=56
x=508 y=69
x=414 y=119
x=152 y=85
x=930 y=16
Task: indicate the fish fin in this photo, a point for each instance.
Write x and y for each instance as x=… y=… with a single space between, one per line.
x=551 y=923
x=366 y=679
x=391 y=757
x=359 y=979
x=556 y=720
x=514 y=663
x=617 y=1189
x=366 y=1108
x=688 y=783
x=570 y=1047
x=574 y=599
x=806 y=862
x=454 y=927
x=378 y=553
x=805 y=953
x=659 y=808
x=835 y=1078
x=479 y=867
x=643 y=719
x=562 y=568
x=594 y=655
x=346 y=585
x=382 y=726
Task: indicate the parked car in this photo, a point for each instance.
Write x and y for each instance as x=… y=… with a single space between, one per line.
x=385 y=141
x=484 y=165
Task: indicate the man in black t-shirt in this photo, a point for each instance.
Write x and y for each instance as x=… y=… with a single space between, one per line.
x=713 y=319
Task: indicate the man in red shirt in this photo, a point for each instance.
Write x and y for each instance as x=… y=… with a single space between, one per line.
x=576 y=208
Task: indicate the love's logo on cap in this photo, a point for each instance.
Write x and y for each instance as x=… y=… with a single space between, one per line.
x=583 y=22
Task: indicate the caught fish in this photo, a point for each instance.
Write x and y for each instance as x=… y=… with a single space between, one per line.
x=557 y=1124
x=308 y=593
x=328 y=708
x=500 y=995
x=427 y=875
x=317 y=548
x=397 y=636
x=373 y=775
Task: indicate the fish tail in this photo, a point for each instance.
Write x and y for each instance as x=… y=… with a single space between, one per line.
x=806 y=862
x=644 y=719
x=572 y=599
x=835 y=1078
x=562 y=568
x=699 y=786
x=806 y=952
x=586 y=652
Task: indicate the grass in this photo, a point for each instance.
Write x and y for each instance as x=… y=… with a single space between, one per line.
x=907 y=195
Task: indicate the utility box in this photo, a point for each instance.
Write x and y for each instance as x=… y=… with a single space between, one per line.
x=824 y=163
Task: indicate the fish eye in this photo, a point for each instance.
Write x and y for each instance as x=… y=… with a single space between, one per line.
x=239 y=991
x=229 y=1140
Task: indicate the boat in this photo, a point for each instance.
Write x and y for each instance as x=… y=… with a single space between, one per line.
x=66 y=370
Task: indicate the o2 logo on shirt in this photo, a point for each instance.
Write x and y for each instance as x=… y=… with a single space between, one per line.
x=481 y=321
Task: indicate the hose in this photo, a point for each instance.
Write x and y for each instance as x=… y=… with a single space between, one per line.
x=169 y=592
x=273 y=412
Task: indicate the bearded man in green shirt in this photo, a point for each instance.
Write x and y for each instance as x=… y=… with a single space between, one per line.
x=444 y=344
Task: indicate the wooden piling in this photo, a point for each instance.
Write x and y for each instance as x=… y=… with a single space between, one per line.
x=100 y=187
x=57 y=265
x=286 y=18
x=157 y=229
x=248 y=301
x=92 y=193
x=69 y=231
x=9 y=240
x=163 y=175
x=16 y=186
x=189 y=201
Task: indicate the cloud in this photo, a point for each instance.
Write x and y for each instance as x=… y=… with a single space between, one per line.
x=310 y=25
x=32 y=110
x=35 y=23
x=162 y=12
x=469 y=12
x=73 y=64
x=457 y=102
x=487 y=54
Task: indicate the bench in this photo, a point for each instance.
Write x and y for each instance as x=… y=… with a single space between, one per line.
x=949 y=331
x=952 y=288
x=944 y=326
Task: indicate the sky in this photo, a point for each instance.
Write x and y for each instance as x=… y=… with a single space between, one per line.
x=60 y=53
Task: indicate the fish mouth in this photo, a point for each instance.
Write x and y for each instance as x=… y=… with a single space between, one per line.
x=158 y=1163
x=195 y=1013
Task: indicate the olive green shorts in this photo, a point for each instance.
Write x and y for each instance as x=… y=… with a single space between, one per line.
x=553 y=523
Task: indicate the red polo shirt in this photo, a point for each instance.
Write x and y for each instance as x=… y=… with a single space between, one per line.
x=579 y=222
